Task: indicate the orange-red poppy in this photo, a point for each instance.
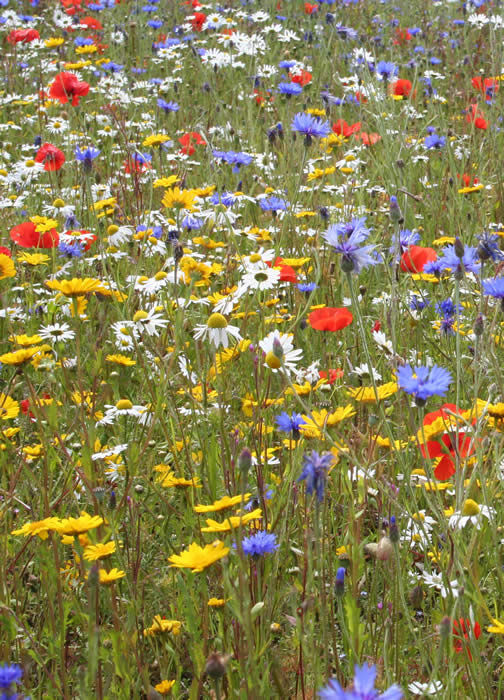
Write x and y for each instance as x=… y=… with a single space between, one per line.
x=330 y=318
x=416 y=257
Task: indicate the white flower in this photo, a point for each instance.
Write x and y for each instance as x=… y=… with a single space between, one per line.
x=289 y=356
x=58 y=332
x=431 y=688
x=149 y=322
x=436 y=581
x=260 y=278
x=217 y=330
x=471 y=513
x=124 y=407
x=111 y=452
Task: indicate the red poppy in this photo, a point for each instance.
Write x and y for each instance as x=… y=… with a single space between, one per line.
x=376 y=327
x=488 y=86
x=50 y=156
x=402 y=35
x=310 y=9
x=450 y=444
x=468 y=180
x=189 y=140
x=441 y=413
x=72 y=7
x=474 y=114
x=5 y=251
x=343 y=129
x=26 y=236
x=368 y=139
x=331 y=376
x=92 y=23
x=462 y=630
x=260 y=97
x=416 y=257
x=66 y=86
x=330 y=319
x=198 y=20
x=24 y=35
x=303 y=77
x=401 y=87
x=360 y=97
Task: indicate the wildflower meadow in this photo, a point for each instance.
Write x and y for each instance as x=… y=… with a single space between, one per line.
x=251 y=349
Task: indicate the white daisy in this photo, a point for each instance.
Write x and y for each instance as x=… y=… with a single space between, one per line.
x=280 y=353
x=260 y=278
x=437 y=581
x=150 y=322
x=471 y=513
x=58 y=332
x=217 y=330
x=431 y=688
x=124 y=407
x=110 y=452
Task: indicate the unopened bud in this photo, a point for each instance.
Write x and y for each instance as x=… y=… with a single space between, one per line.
x=112 y=501
x=93 y=576
x=445 y=627
x=385 y=549
x=459 y=248
x=394 y=530
x=216 y=664
x=416 y=596
x=245 y=461
x=478 y=325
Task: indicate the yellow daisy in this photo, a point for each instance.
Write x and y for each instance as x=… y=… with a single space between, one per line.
x=198 y=558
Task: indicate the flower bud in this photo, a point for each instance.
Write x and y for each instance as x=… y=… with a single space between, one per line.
x=339 y=585
x=394 y=530
x=216 y=664
x=415 y=596
x=479 y=325
x=385 y=549
x=245 y=461
x=278 y=350
x=459 y=248
x=445 y=627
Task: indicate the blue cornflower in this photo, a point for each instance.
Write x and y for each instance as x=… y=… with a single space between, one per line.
x=310 y=126
x=155 y=23
x=434 y=141
x=226 y=198
x=435 y=267
x=112 y=66
x=289 y=89
x=424 y=382
x=386 y=70
x=307 y=287
x=86 y=156
x=468 y=262
x=347 y=229
x=363 y=688
x=9 y=675
x=290 y=424
x=354 y=256
x=315 y=473
x=447 y=326
x=167 y=106
x=494 y=287
x=488 y=248
x=83 y=41
x=259 y=544
x=192 y=223
x=70 y=250
x=448 y=308
x=234 y=158
x=418 y=302
x=287 y=65
x=406 y=238
x=346 y=32
x=273 y=204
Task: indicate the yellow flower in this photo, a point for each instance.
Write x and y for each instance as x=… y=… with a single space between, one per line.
x=38 y=527
x=231 y=523
x=107 y=577
x=19 y=357
x=25 y=340
x=178 y=199
x=198 y=558
x=43 y=224
x=216 y=602
x=222 y=504
x=53 y=42
x=319 y=420
x=497 y=627
x=76 y=526
x=367 y=394
x=318 y=173
x=155 y=140
x=99 y=551
x=75 y=287
x=166 y=181
x=91 y=48
x=169 y=480
x=104 y=203
x=33 y=258
x=469 y=190
x=8 y=407
x=160 y=625
x=7 y=268
x=121 y=360
x=164 y=687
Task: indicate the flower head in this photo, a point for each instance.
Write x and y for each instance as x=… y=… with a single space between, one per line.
x=423 y=382
x=259 y=543
x=363 y=688
x=198 y=558
x=311 y=127
x=315 y=473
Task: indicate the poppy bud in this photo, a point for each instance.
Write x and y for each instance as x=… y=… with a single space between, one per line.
x=216 y=665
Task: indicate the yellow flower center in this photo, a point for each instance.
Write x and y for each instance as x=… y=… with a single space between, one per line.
x=30 y=163
x=58 y=203
x=160 y=275
x=273 y=361
x=140 y=316
x=470 y=508
x=217 y=321
x=112 y=229
x=124 y=405
x=255 y=257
